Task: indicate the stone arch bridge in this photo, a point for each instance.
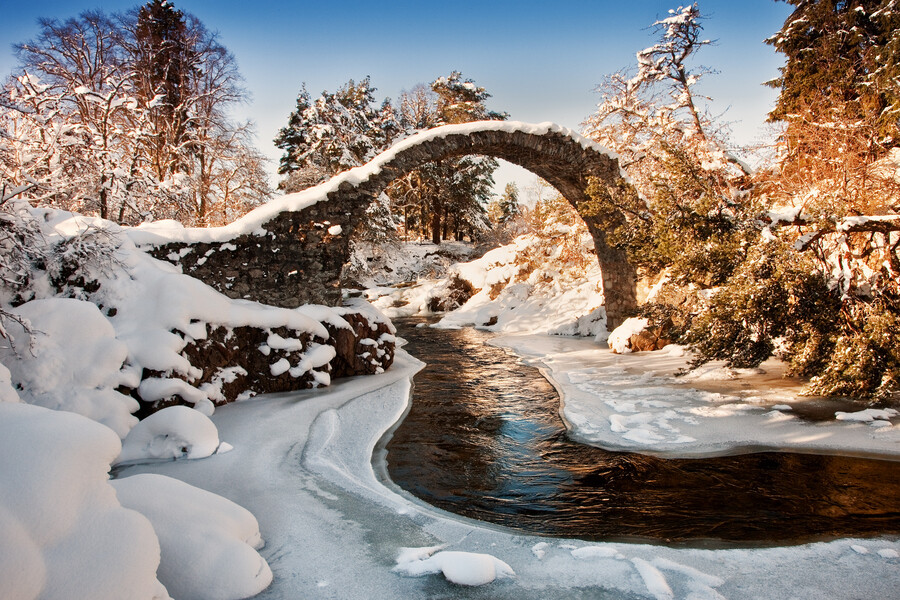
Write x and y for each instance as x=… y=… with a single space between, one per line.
x=291 y=251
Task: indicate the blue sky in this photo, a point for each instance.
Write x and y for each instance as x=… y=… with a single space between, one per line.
x=541 y=61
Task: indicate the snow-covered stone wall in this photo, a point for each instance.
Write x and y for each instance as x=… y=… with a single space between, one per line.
x=292 y=250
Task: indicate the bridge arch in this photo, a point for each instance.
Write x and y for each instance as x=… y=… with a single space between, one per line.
x=291 y=251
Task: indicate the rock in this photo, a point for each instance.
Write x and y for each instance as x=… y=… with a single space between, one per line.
x=457 y=293
x=364 y=349
x=240 y=360
x=648 y=339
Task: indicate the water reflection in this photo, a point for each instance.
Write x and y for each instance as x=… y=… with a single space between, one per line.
x=483 y=439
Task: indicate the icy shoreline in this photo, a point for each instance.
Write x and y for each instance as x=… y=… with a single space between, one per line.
x=302 y=464
x=633 y=402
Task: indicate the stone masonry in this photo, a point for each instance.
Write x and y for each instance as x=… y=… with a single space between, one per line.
x=297 y=257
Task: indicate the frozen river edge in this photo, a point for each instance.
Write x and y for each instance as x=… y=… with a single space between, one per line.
x=302 y=464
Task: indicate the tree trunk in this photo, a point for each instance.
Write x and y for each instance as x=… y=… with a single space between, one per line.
x=436 y=212
x=104 y=208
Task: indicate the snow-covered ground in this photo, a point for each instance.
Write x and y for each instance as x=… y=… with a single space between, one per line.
x=302 y=463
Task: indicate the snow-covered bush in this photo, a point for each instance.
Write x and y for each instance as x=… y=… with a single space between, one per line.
x=71 y=362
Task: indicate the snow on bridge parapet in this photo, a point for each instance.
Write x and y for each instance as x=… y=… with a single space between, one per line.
x=291 y=250
x=165 y=232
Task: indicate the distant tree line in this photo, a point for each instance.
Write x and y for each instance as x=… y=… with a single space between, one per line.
x=126 y=117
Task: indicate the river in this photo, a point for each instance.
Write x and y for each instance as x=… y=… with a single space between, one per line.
x=483 y=439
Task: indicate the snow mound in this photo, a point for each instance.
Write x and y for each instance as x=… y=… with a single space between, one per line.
x=654 y=579
x=64 y=533
x=73 y=363
x=461 y=568
x=173 y=432
x=208 y=543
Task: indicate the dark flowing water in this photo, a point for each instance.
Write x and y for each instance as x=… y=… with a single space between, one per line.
x=483 y=439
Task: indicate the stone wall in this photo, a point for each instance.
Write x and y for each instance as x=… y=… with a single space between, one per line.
x=230 y=362
x=297 y=257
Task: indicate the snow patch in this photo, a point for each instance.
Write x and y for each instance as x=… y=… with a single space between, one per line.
x=461 y=568
x=64 y=533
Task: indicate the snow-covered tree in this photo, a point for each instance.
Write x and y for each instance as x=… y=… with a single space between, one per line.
x=418 y=108
x=692 y=190
x=335 y=132
x=462 y=101
x=839 y=102
x=509 y=204
x=448 y=197
x=821 y=288
x=98 y=128
x=188 y=81
x=505 y=214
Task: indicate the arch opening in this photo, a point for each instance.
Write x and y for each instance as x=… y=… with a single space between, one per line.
x=563 y=159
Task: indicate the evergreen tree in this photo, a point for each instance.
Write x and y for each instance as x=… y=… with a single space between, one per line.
x=461 y=101
x=839 y=98
x=509 y=204
x=335 y=132
x=163 y=74
x=461 y=202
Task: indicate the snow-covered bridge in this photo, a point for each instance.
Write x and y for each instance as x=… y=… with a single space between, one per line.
x=291 y=251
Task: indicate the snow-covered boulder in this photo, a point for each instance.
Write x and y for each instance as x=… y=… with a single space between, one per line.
x=620 y=338
x=63 y=532
x=638 y=335
x=173 y=432
x=208 y=542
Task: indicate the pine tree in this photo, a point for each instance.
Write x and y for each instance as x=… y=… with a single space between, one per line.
x=509 y=204
x=839 y=99
x=335 y=132
x=461 y=204
x=163 y=80
x=461 y=101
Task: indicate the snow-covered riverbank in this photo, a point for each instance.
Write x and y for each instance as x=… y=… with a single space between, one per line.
x=634 y=402
x=302 y=465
